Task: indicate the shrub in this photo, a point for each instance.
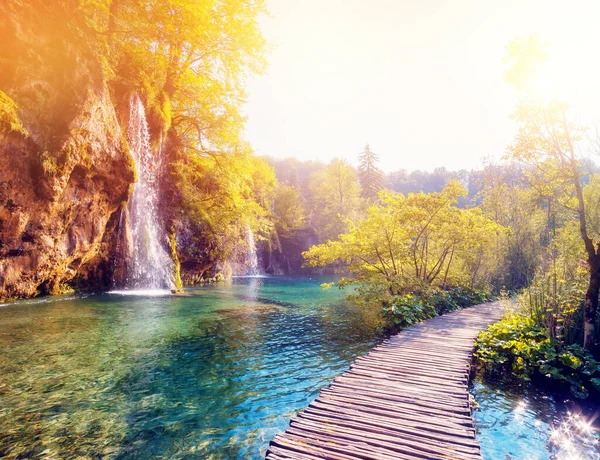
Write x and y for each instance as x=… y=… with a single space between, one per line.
x=405 y=310
x=516 y=344
x=409 y=309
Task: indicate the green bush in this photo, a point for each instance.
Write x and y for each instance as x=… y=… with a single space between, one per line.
x=405 y=310
x=408 y=309
x=518 y=346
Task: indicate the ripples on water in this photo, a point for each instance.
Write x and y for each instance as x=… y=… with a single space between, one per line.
x=532 y=425
x=214 y=373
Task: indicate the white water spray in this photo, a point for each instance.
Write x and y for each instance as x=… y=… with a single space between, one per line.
x=253 y=268
x=148 y=263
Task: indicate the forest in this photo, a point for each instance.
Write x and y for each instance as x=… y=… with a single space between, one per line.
x=527 y=223
x=125 y=168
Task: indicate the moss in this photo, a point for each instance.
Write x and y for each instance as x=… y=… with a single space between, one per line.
x=49 y=164
x=158 y=110
x=9 y=120
x=166 y=112
x=62 y=289
x=129 y=158
x=175 y=257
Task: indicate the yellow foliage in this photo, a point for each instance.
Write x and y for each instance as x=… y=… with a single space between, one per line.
x=405 y=242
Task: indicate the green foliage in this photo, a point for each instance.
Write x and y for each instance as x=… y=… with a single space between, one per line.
x=554 y=300
x=288 y=210
x=408 y=309
x=369 y=174
x=335 y=198
x=221 y=197
x=407 y=243
x=515 y=207
x=519 y=346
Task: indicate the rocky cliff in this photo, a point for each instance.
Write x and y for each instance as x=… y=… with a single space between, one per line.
x=55 y=206
x=65 y=169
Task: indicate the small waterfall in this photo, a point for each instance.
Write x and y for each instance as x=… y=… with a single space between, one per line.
x=148 y=263
x=253 y=268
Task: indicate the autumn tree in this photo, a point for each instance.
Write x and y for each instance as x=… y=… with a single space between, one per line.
x=371 y=178
x=546 y=143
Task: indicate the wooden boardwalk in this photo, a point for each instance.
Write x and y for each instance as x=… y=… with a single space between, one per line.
x=407 y=399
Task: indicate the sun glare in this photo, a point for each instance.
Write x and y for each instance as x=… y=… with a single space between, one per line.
x=552 y=82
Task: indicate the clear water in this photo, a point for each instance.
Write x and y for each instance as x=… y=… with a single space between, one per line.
x=532 y=424
x=214 y=374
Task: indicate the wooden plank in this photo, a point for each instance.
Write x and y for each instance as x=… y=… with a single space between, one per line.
x=406 y=399
x=414 y=411
x=401 y=429
x=382 y=411
x=399 y=403
x=391 y=418
x=372 y=430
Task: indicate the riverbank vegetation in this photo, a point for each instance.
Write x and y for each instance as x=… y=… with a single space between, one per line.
x=415 y=244
x=519 y=347
x=530 y=228
x=553 y=336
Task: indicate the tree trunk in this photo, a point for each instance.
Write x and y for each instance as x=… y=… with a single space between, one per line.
x=590 y=307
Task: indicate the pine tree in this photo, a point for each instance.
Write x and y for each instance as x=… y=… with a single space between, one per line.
x=370 y=176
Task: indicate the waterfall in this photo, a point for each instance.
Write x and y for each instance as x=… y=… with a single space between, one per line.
x=148 y=263
x=253 y=269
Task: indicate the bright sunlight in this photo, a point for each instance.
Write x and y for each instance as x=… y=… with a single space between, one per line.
x=299 y=229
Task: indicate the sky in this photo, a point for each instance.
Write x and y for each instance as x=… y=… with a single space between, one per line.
x=421 y=81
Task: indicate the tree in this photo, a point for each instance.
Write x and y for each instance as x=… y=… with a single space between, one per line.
x=546 y=142
x=288 y=210
x=335 y=198
x=370 y=176
x=221 y=198
x=406 y=243
x=516 y=207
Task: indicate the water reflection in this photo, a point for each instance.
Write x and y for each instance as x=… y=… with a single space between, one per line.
x=575 y=438
x=530 y=425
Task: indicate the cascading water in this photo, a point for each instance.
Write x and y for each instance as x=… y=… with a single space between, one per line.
x=253 y=268
x=148 y=263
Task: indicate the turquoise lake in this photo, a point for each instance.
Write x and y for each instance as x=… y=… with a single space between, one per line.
x=212 y=374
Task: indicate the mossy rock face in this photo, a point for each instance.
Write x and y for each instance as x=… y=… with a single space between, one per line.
x=62 y=289
x=57 y=202
x=174 y=256
x=158 y=111
x=9 y=120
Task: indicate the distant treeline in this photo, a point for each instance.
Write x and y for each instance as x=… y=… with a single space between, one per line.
x=297 y=173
